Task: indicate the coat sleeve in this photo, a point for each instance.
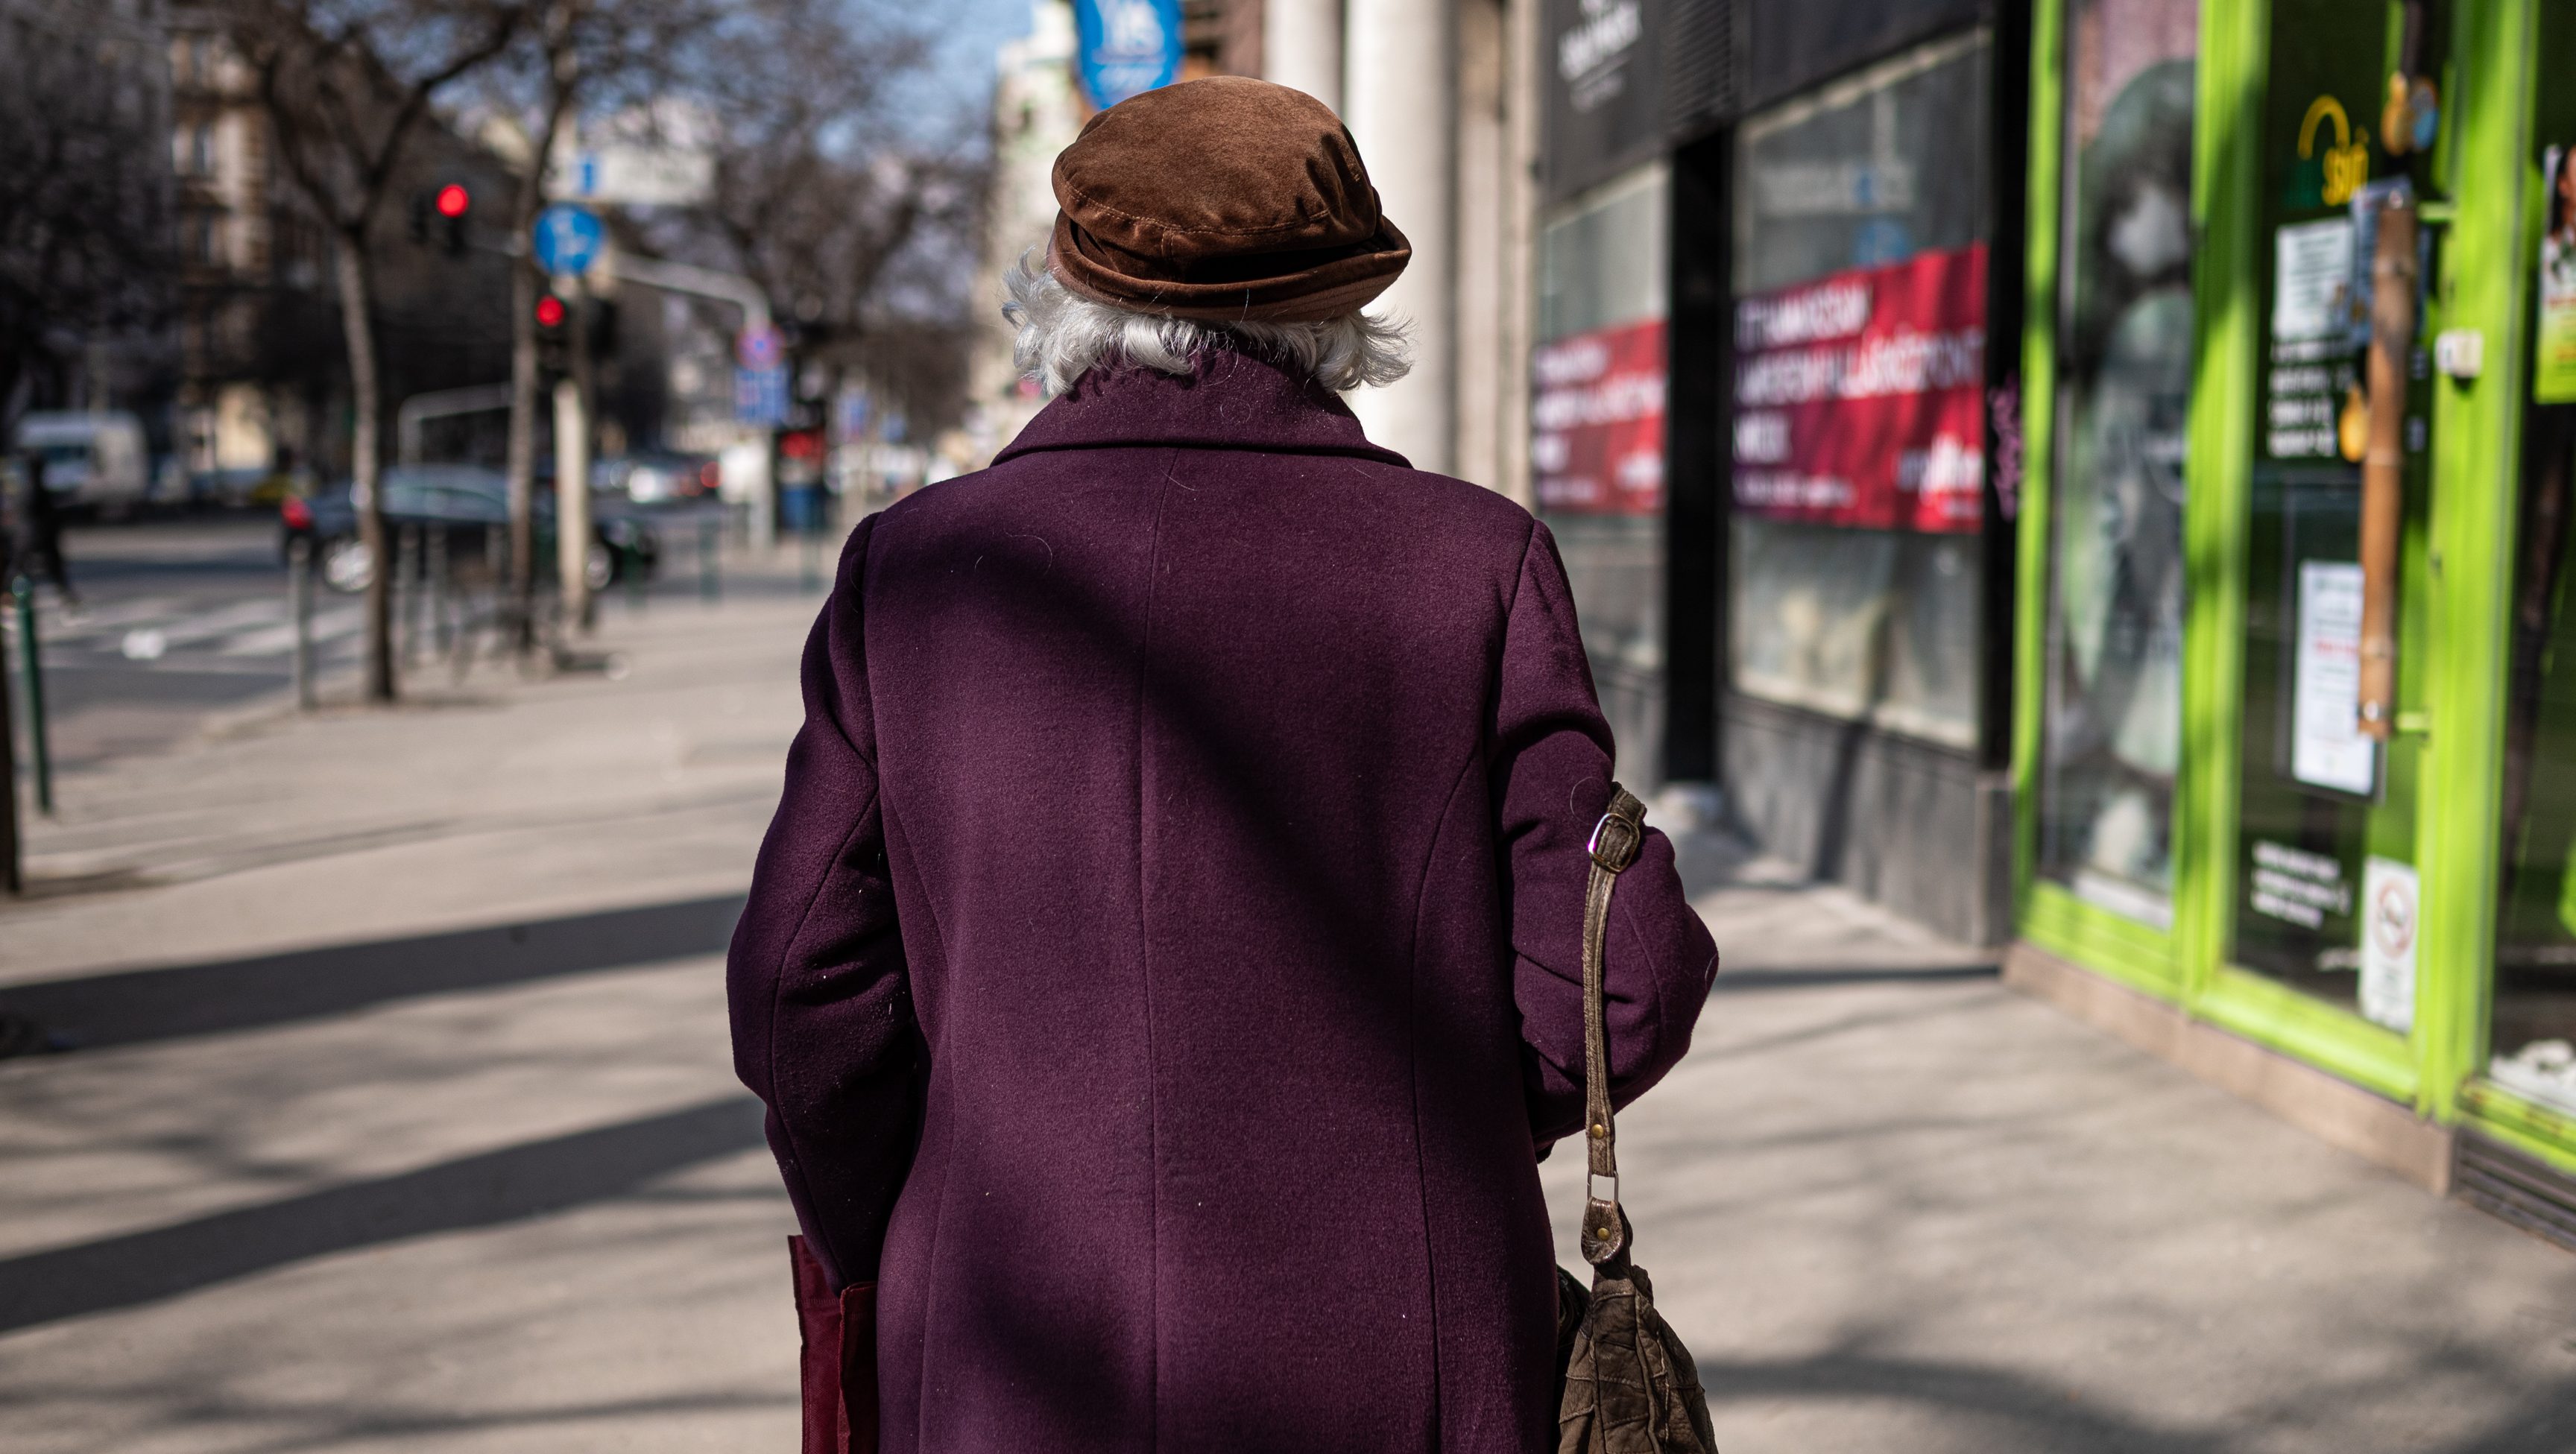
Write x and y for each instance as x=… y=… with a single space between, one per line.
x=1552 y=769
x=823 y=1025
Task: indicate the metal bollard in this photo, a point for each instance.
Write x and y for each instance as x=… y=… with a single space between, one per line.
x=407 y=591
x=41 y=758
x=710 y=547
x=441 y=634
x=12 y=876
x=299 y=608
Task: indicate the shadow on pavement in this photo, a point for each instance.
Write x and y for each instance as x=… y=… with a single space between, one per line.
x=137 y=1006
x=2018 y=1413
x=2021 y=1413
x=1816 y=979
x=474 y=1191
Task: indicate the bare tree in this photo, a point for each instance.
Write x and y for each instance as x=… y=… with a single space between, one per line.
x=84 y=216
x=831 y=176
x=346 y=84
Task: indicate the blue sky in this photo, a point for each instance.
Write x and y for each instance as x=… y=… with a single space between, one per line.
x=972 y=30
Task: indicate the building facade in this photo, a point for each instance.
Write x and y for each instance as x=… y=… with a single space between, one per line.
x=1778 y=283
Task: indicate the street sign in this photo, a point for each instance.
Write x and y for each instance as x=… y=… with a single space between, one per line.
x=636 y=176
x=569 y=239
x=760 y=397
x=759 y=346
x=1127 y=46
x=659 y=153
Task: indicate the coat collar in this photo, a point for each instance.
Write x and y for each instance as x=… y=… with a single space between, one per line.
x=1229 y=400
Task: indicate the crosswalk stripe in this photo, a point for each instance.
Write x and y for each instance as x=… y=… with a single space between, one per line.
x=52 y=626
x=192 y=629
x=272 y=640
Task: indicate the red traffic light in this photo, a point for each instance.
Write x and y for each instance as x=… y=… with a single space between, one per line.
x=453 y=199
x=550 y=311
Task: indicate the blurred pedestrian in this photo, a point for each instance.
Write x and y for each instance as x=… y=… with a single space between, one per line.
x=1164 y=969
x=39 y=534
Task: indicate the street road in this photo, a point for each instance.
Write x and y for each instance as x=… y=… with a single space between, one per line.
x=177 y=619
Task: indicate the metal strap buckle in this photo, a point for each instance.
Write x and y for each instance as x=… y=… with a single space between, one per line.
x=1592 y=845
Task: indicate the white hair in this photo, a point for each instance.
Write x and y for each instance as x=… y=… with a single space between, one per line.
x=1062 y=335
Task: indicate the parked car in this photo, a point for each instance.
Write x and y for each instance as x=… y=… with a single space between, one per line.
x=94 y=462
x=657 y=478
x=470 y=504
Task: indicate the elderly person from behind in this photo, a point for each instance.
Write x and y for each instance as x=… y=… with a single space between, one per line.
x=1163 y=971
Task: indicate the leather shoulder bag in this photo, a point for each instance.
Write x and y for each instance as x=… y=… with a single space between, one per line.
x=1628 y=1385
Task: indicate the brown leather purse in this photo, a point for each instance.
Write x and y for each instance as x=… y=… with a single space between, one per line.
x=1628 y=1386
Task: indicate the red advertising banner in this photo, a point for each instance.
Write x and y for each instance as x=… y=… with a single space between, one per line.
x=1859 y=397
x=1597 y=421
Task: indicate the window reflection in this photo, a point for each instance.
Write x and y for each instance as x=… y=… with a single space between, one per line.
x=2113 y=705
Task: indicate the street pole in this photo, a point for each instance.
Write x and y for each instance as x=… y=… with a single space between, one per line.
x=572 y=502
x=585 y=382
x=12 y=879
x=42 y=760
x=12 y=874
x=299 y=606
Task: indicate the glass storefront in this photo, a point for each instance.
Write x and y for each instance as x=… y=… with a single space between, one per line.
x=1861 y=215
x=2534 y=1014
x=2327 y=894
x=2112 y=732
x=1597 y=446
x=2295 y=685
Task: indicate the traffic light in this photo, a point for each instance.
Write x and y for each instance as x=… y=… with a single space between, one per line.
x=438 y=216
x=554 y=332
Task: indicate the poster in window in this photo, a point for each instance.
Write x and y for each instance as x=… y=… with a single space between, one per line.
x=1860 y=396
x=2553 y=376
x=1597 y=421
x=2327 y=748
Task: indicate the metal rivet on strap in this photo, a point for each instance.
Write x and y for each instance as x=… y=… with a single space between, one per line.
x=1599 y=1130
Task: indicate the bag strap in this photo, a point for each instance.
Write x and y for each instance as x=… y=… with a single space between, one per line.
x=1616 y=840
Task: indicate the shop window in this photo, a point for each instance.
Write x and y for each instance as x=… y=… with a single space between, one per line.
x=1860 y=223
x=2353 y=131
x=2535 y=985
x=2111 y=715
x=1597 y=441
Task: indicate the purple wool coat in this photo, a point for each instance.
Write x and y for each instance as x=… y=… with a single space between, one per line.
x=1165 y=960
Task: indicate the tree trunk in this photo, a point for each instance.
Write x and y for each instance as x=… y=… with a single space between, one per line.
x=357 y=326
x=572 y=507
x=523 y=449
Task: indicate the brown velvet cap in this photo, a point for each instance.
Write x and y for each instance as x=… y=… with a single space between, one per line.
x=1222 y=200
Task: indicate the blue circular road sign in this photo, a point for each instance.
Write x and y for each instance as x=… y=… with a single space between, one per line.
x=568 y=239
x=1127 y=46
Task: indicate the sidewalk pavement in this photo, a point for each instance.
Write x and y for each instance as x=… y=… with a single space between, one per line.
x=403 y=1121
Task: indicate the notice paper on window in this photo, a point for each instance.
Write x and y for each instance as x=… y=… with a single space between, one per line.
x=2327 y=748
x=2311 y=279
x=2390 y=898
